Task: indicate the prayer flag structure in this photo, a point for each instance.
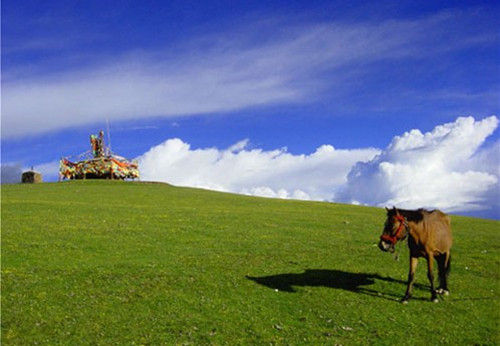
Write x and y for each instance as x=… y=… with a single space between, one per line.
x=98 y=163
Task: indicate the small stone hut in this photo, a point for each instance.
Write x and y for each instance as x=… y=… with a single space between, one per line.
x=31 y=177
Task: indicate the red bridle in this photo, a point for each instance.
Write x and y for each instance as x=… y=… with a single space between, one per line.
x=393 y=239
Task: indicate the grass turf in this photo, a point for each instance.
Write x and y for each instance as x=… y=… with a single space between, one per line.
x=106 y=262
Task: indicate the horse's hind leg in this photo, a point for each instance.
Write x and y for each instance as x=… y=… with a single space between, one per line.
x=444 y=269
x=441 y=261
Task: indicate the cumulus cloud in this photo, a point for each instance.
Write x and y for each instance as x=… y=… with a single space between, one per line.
x=11 y=173
x=254 y=66
x=49 y=170
x=444 y=168
x=274 y=173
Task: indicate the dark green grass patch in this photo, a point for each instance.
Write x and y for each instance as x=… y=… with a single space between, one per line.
x=135 y=263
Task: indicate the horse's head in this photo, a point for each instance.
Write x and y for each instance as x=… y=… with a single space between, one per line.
x=395 y=229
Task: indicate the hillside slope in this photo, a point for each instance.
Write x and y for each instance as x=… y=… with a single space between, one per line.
x=122 y=262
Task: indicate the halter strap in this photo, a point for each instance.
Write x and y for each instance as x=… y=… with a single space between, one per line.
x=394 y=238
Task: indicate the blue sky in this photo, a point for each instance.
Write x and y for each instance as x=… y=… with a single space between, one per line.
x=281 y=74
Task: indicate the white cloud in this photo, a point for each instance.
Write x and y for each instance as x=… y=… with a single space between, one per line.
x=275 y=173
x=11 y=173
x=440 y=169
x=254 y=66
x=265 y=191
x=49 y=170
x=445 y=168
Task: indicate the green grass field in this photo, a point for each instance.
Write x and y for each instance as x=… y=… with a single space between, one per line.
x=106 y=262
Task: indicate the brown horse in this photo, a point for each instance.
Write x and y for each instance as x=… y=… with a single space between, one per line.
x=429 y=236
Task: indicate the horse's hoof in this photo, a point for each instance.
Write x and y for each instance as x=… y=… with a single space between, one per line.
x=404 y=301
x=442 y=291
x=435 y=300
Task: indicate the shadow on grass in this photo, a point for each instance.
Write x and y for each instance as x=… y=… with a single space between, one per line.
x=354 y=282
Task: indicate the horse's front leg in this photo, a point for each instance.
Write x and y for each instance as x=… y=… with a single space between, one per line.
x=411 y=279
x=430 y=275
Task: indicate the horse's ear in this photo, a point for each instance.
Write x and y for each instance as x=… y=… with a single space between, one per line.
x=387 y=209
x=397 y=211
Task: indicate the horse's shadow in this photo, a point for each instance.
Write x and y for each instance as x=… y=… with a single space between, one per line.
x=338 y=279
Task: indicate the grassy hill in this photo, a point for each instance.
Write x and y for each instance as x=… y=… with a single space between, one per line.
x=136 y=263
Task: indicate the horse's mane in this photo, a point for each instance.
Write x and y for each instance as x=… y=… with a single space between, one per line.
x=410 y=215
